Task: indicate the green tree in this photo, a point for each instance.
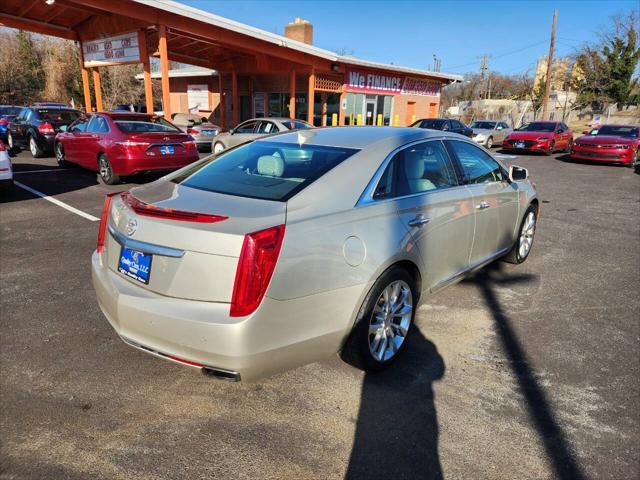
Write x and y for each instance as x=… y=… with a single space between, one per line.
x=621 y=56
x=30 y=81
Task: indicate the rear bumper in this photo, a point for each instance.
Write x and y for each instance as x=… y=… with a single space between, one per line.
x=602 y=155
x=280 y=335
x=131 y=165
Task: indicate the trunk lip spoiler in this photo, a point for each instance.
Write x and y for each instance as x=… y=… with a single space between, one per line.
x=144 y=247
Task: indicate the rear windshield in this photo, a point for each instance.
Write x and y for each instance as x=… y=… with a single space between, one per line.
x=264 y=170
x=295 y=125
x=56 y=115
x=9 y=111
x=143 y=125
x=629 y=132
x=538 y=127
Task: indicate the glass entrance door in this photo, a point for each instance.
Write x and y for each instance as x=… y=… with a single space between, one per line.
x=371 y=110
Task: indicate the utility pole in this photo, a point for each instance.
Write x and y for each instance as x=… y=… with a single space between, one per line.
x=547 y=87
x=484 y=66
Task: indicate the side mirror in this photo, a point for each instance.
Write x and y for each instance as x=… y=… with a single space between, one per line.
x=518 y=174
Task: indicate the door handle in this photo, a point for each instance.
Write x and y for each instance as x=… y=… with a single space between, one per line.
x=419 y=221
x=482 y=205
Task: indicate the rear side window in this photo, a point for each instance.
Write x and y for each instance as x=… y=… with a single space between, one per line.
x=97 y=125
x=58 y=116
x=264 y=170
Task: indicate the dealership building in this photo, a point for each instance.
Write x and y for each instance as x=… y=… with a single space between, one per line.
x=232 y=71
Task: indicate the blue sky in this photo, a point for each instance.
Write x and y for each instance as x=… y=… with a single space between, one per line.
x=408 y=33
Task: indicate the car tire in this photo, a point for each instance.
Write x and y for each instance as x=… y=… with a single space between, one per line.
x=106 y=171
x=218 y=147
x=489 y=143
x=526 y=233
x=569 y=146
x=370 y=348
x=634 y=160
x=551 y=148
x=12 y=145
x=36 y=151
x=58 y=150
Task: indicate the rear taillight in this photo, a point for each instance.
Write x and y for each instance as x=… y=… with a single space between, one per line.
x=132 y=147
x=257 y=262
x=46 y=128
x=142 y=208
x=4 y=121
x=190 y=145
x=104 y=220
x=193 y=131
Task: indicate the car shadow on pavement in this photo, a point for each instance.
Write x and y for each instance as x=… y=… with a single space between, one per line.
x=558 y=450
x=397 y=428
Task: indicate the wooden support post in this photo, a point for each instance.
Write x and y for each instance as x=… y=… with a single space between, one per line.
x=164 y=68
x=292 y=95
x=221 y=106
x=97 y=86
x=311 y=95
x=86 y=88
x=234 y=94
x=146 y=66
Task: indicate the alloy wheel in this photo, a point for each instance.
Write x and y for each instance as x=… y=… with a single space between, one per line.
x=105 y=169
x=489 y=143
x=33 y=147
x=390 y=320
x=10 y=141
x=217 y=148
x=526 y=235
x=59 y=154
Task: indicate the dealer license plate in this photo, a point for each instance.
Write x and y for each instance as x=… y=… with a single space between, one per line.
x=207 y=132
x=135 y=264
x=167 y=150
x=519 y=144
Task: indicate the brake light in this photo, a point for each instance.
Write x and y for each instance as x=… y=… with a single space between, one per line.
x=193 y=131
x=190 y=145
x=256 y=264
x=46 y=128
x=104 y=220
x=142 y=208
x=4 y=121
x=130 y=146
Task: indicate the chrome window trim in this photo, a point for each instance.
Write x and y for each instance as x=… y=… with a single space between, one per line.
x=144 y=246
x=366 y=198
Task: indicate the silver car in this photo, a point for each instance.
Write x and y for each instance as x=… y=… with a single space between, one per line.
x=265 y=258
x=490 y=132
x=255 y=128
x=200 y=128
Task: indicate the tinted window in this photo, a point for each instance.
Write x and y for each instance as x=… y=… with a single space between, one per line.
x=477 y=166
x=267 y=127
x=246 y=127
x=97 y=125
x=538 y=127
x=295 y=125
x=504 y=125
x=265 y=170
x=430 y=123
x=630 y=132
x=134 y=124
x=79 y=125
x=417 y=169
x=58 y=116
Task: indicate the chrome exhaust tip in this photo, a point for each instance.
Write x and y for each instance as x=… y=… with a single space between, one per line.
x=221 y=374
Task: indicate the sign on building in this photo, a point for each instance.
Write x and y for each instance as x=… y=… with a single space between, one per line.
x=114 y=50
x=366 y=81
x=198 y=97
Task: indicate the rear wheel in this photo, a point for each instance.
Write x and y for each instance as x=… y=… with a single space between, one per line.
x=106 y=171
x=218 y=147
x=59 y=151
x=489 y=143
x=36 y=151
x=12 y=146
x=383 y=322
x=522 y=246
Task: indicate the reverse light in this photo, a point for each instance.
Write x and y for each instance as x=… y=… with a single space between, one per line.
x=103 y=220
x=149 y=210
x=256 y=264
x=46 y=128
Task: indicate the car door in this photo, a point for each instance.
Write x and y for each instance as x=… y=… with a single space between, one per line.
x=434 y=208
x=495 y=200
x=71 y=137
x=87 y=143
x=244 y=132
x=17 y=128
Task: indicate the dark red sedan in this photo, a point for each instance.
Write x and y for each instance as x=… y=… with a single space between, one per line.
x=545 y=137
x=117 y=144
x=610 y=144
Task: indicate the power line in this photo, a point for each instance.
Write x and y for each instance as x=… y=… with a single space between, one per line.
x=500 y=55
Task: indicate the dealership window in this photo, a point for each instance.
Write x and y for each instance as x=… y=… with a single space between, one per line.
x=333 y=106
x=279 y=105
x=369 y=107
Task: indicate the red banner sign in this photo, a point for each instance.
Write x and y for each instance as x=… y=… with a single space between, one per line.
x=373 y=82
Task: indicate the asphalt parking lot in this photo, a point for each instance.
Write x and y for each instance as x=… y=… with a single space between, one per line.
x=527 y=371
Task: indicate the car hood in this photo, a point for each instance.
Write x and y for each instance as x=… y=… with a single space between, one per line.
x=606 y=140
x=529 y=135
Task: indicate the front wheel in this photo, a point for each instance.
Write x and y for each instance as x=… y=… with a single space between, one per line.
x=522 y=246
x=106 y=171
x=634 y=159
x=59 y=151
x=218 y=148
x=383 y=322
x=489 y=143
x=551 y=149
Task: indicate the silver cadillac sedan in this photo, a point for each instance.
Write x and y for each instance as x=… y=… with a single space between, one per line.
x=291 y=248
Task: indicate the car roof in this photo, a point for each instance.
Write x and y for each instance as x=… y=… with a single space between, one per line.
x=356 y=137
x=126 y=114
x=619 y=125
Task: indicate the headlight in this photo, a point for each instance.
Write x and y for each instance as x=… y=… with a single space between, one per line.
x=543 y=139
x=479 y=136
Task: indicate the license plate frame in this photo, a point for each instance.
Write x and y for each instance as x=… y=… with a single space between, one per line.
x=167 y=150
x=135 y=264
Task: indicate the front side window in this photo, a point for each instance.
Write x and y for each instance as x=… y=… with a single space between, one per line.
x=417 y=169
x=246 y=127
x=477 y=165
x=264 y=170
x=79 y=125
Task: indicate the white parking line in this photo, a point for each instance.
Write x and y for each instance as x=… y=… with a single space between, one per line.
x=42 y=171
x=56 y=202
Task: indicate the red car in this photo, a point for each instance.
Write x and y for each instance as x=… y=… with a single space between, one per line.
x=609 y=143
x=545 y=137
x=118 y=144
